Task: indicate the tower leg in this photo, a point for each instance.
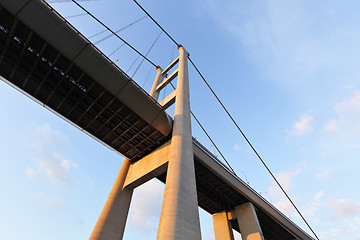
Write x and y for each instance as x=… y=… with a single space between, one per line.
x=248 y=222
x=112 y=220
x=159 y=77
x=179 y=214
x=222 y=226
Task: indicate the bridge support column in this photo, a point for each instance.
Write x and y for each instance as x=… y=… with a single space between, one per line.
x=111 y=223
x=222 y=226
x=248 y=222
x=159 y=77
x=179 y=214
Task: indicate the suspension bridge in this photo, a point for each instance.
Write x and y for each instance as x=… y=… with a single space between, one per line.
x=46 y=58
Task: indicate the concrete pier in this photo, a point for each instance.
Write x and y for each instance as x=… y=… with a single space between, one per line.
x=112 y=220
x=222 y=226
x=248 y=222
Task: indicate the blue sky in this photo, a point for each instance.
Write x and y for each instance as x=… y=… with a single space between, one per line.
x=287 y=71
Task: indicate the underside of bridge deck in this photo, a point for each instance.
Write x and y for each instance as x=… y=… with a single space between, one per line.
x=37 y=68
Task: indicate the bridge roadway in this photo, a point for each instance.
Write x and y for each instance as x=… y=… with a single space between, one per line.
x=46 y=58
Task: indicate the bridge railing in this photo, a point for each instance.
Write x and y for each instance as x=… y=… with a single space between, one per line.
x=198 y=144
x=97 y=49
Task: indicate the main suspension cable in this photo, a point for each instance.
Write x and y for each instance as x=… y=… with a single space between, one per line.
x=113 y=33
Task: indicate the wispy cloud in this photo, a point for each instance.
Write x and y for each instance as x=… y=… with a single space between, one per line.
x=286 y=181
x=237 y=147
x=292 y=40
x=350 y=105
x=303 y=125
x=32 y=173
x=323 y=174
x=346 y=123
x=348 y=111
x=46 y=149
x=313 y=205
x=343 y=208
x=50 y=203
x=331 y=125
x=341 y=231
x=349 y=87
x=341 y=133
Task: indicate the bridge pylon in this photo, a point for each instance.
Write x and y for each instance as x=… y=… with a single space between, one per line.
x=179 y=217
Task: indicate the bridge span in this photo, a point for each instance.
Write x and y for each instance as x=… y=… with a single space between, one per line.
x=45 y=57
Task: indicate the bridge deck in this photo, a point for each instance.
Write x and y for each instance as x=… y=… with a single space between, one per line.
x=52 y=62
x=62 y=70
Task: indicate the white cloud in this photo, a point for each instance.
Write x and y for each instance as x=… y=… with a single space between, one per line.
x=333 y=233
x=318 y=195
x=346 y=124
x=237 y=147
x=331 y=126
x=50 y=203
x=323 y=174
x=146 y=206
x=292 y=43
x=349 y=231
x=47 y=147
x=32 y=173
x=66 y=164
x=313 y=205
x=277 y=196
x=303 y=125
x=348 y=111
x=341 y=136
x=55 y=166
x=343 y=208
x=349 y=87
x=351 y=106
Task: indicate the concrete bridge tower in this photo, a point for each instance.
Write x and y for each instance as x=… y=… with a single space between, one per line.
x=179 y=215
